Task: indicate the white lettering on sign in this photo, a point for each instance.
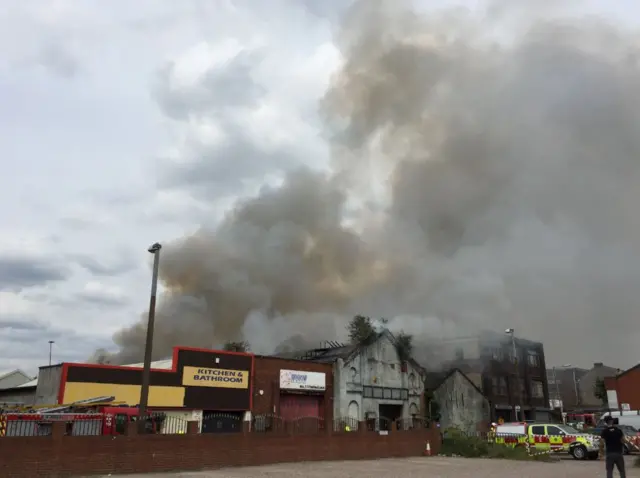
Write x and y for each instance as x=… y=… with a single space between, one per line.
x=299 y=380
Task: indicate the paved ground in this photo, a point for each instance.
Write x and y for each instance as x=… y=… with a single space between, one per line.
x=435 y=467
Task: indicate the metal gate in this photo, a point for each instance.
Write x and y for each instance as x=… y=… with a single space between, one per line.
x=215 y=422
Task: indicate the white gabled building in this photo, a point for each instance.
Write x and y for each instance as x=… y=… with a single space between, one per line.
x=370 y=381
x=13 y=378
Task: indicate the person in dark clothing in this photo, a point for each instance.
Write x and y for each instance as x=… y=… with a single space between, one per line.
x=613 y=439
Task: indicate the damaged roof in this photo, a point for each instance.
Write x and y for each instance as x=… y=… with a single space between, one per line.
x=327 y=355
x=344 y=352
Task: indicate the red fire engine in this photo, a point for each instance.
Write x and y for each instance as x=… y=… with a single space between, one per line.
x=80 y=419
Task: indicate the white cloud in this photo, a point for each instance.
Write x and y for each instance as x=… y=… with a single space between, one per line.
x=14 y=304
x=87 y=149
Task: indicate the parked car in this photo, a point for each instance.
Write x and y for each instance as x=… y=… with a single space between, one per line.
x=633 y=435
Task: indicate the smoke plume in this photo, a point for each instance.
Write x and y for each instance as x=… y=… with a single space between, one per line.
x=485 y=175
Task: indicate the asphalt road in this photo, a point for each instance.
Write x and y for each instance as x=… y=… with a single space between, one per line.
x=434 y=467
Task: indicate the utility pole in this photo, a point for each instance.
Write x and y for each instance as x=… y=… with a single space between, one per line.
x=148 y=346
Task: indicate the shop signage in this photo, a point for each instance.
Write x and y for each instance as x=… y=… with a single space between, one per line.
x=214 y=377
x=297 y=380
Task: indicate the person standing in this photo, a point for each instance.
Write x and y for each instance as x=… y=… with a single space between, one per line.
x=613 y=439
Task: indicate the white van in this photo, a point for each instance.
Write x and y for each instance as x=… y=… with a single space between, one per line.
x=630 y=417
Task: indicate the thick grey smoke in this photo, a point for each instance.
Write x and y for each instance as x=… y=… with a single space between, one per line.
x=500 y=179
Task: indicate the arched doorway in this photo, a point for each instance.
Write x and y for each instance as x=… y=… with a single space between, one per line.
x=354 y=414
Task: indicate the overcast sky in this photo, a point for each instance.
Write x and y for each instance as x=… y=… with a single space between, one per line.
x=107 y=144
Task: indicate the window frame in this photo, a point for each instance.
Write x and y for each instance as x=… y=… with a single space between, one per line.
x=549 y=427
x=544 y=430
x=537 y=389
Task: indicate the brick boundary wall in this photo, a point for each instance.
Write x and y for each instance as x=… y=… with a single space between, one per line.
x=63 y=456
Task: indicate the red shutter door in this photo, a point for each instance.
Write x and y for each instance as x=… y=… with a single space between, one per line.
x=300 y=406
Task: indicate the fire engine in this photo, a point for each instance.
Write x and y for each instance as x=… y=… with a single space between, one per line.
x=581 y=420
x=97 y=416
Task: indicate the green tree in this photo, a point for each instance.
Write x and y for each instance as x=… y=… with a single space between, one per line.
x=404 y=346
x=600 y=391
x=236 y=347
x=361 y=330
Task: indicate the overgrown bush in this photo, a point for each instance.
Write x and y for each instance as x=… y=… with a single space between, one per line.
x=457 y=443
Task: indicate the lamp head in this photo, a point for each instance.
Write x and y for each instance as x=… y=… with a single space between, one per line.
x=509 y=331
x=154 y=248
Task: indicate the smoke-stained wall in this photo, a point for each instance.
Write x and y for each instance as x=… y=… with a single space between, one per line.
x=376 y=366
x=462 y=405
x=48 y=388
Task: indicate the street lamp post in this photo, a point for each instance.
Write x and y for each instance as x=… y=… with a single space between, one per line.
x=511 y=332
x=51 y=342
x=148 y=346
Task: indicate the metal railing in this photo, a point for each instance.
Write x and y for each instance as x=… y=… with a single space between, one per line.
x=345 y=425
x=306 y=425
x=161 y=423
x=267 y=423
x=34 y=424
x=167 y=423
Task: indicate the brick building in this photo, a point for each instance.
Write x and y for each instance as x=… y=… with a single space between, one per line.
x=219 y=389
x=507 y=381
x=623 y=389
x=292 y=389
x=574 y=387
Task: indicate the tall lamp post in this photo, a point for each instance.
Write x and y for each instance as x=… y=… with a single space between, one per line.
x=51 y=342
x=511 y=332
x=148 y=346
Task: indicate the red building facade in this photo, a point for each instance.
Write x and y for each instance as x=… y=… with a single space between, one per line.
x=626 y=386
